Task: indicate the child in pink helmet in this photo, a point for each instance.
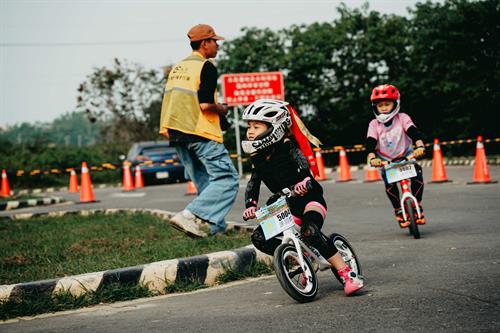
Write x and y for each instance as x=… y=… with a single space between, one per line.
x=391 y=136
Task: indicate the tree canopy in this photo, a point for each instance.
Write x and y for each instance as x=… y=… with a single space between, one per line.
x=444 y=59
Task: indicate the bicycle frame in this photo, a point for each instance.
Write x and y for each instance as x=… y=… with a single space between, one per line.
x=293 y=236
x=406 y=194
x=405 y=186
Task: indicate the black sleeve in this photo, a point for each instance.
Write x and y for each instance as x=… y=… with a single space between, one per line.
x=299 y=159
x=208 y=83
x=371 y=144
x=252 y=191
x=414 y=133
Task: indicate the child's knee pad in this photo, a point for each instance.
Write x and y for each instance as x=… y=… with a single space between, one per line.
x=263 y=245
x=315 y=206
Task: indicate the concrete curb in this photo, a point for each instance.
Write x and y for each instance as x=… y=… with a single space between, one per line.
x=155 y=276
x=17 y=204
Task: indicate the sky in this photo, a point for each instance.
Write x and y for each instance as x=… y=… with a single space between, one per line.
x=48 y=47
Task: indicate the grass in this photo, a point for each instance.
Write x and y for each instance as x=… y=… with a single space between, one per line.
x=256 y=268
x=50 y=247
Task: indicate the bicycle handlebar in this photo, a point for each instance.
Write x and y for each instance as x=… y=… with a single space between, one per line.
x=404 y=160
x=288 y=192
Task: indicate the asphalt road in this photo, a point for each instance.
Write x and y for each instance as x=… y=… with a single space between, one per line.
x=445 y=281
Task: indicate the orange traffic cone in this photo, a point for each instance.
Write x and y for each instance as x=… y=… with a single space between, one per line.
x=372 y=175
x=438 y=171
x=344 y=169
x=481 y=172
x=191 y=189
x=5 y=191
x=73 y=182
x=86 y=193
x=320 y=164
x=128 y=183
x=138 y=177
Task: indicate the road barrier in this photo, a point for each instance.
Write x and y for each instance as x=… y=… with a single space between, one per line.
x=324 y=151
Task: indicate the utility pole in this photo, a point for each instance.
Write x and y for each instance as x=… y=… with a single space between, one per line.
x=238 y=139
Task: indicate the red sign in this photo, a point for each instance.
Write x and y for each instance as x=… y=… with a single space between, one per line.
x=245 y=88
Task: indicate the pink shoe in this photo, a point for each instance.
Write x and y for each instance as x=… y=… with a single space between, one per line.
x=352 y=281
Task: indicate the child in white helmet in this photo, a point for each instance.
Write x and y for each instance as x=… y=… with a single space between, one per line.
x=390 y=136
x=279 y=163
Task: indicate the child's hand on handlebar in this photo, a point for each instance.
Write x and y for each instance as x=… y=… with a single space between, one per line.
x=419 y=151
x=301 y=187
x=375 y=162
x=249 y=213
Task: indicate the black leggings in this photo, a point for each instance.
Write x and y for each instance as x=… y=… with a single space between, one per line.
x=417 y=188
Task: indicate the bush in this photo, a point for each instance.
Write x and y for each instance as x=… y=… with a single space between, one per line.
x=41 y=165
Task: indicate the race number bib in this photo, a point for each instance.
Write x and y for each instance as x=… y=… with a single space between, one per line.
x=275 y=218
x=401 y=172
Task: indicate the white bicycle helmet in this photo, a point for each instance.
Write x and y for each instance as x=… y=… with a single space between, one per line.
x=273 y=112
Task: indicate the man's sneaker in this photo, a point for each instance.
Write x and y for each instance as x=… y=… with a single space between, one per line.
x=185 y=221
x=403 y=223
x=352 y=281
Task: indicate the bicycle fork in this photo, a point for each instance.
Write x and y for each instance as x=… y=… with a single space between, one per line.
x=406 y=194
x=289 y=235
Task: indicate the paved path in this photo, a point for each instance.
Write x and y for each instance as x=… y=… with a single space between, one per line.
x=445 y=281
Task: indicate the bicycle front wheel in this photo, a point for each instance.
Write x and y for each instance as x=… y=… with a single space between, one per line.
x=301 y=286
x=410 y=215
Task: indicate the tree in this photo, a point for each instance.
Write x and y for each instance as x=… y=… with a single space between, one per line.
x=70 y=129
x=454 y=77
x=444 y=58
x=122 y=95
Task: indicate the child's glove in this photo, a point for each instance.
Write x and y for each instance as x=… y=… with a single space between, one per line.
x=375 y=162
x=249 y=213
x=301 y=187
x=419 y=152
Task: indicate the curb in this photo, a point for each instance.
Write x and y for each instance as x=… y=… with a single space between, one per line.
x=155 y=276
x=163 y=214
x=17 y=204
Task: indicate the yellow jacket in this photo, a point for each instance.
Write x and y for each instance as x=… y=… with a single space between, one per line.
x=181 y=109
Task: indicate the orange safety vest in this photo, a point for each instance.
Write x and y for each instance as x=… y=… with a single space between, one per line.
x=181 y=108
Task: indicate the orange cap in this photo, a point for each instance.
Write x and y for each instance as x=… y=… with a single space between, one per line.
x=201 y=32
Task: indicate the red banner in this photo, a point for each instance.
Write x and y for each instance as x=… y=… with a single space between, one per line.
x=245 y=88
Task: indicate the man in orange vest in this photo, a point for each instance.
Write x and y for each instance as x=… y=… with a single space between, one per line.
x=191 y=118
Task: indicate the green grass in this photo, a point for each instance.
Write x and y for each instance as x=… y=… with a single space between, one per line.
x=256 y=268
x=50 y=247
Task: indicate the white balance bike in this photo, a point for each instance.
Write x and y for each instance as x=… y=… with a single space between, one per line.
x=295 y=263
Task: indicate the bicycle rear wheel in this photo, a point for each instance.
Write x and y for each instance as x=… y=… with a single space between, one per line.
x=347 y=252
x=301 y=286
x=410 y=215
